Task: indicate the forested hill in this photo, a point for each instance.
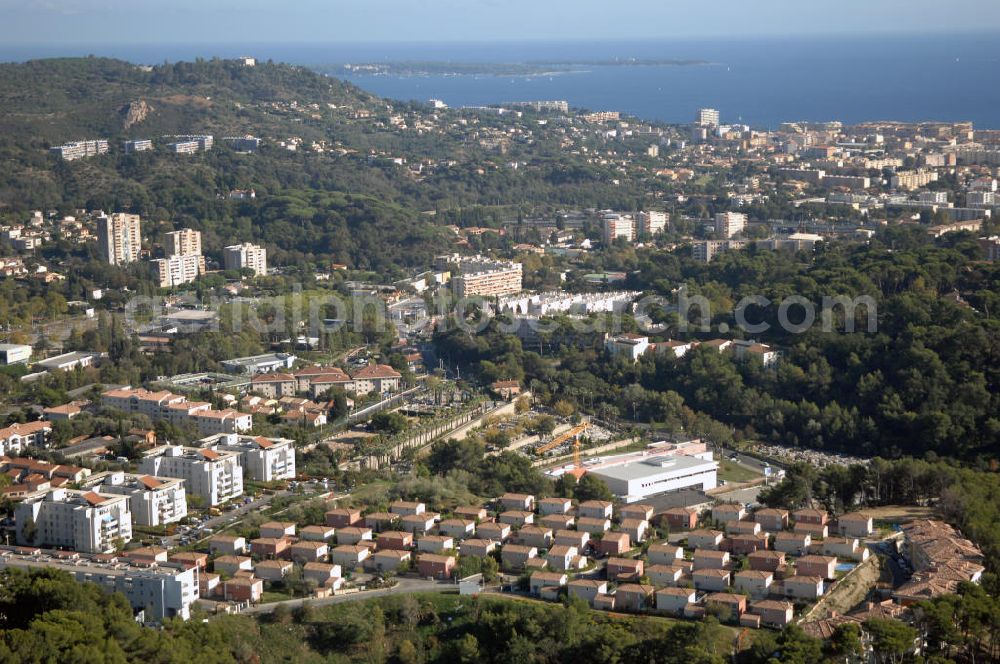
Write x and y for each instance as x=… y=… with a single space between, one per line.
x=57 y=100
x=353 y=192
x=335 y=204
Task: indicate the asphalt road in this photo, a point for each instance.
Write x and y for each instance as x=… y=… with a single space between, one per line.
x=748 y=495
x=216 y=522
x=745 y=460
x=225 y=519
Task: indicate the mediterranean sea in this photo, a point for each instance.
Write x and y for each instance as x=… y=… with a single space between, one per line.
x=760 y=82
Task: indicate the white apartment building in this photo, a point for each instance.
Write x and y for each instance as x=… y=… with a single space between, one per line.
x=991 y=247
x=18 y=436
x=910 y=180
x=706 y=250
x=380 y=378
x=652 y=223
x=210 y=422
x=176 y=409
x=618 y=226
x=246 y=255
x=748 y=349
x=163 y=590
x=151 y=404
x=982 y=199
x=185 y=242
x=934 y=197
x=155 y=501
x=631 y=345
x=138 y=145
x=728 y=224
x=119 y=238
x=487 y=279
x=244 y=143
x=708 y=117
x=183 y=147
x=262 y=459
x=214 y=476
x=545 y=304
x=84 y=521
x=178 y=270
x=191 y=144
x=80 y=149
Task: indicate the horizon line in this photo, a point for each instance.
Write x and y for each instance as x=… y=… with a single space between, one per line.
x=801 y=36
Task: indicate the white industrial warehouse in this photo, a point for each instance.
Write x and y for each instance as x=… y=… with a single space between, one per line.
x=634 y=480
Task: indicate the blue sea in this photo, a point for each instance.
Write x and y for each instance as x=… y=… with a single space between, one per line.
x=757 y=82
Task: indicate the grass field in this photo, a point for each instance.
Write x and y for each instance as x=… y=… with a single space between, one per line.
x=900 y=512
x=371 y=493
x=269 y=596
x=735 y=473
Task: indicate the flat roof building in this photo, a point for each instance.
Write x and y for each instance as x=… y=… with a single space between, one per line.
x=178 y=270
x=14 y=353
x=119 y=238
x=246 y=256
x=80 y=149
x=154 y=501
x=213 y=475
x=263 y=459
x=161 y=590
x=84 y=521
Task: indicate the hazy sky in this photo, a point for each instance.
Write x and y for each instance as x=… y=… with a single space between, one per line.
x=171 y=21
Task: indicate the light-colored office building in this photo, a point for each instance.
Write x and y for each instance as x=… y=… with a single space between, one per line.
x=262 y=459
x=119 y=238
x=154 y=501
x=84 y=521
x=215 y=476
x=248 y=256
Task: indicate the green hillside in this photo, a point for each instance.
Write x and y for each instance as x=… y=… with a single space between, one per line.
x=367 y=167
x=333 y=206
x=57 y=100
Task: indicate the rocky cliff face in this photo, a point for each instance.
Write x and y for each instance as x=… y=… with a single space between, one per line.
x=135 y=112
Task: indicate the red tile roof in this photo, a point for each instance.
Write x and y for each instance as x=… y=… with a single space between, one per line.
x=150 y=482
x=376 y=371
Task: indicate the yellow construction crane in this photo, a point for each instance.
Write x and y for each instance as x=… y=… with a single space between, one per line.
x=573 y=433
x=578 y=470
